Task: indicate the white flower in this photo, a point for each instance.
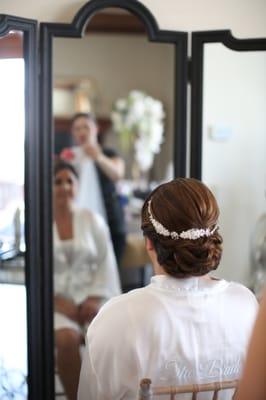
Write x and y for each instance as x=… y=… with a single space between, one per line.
x=136 y=95
x=138 y=110
x=129 y=121
x=121 y=104
x=141 y=116
x=143 y=156
x=117 y=120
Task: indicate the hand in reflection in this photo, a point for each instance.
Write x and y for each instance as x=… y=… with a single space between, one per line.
x=93 y=150
x=66 y=307
x=88 y=309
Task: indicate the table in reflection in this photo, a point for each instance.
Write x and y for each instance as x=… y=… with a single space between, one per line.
x=12 y=271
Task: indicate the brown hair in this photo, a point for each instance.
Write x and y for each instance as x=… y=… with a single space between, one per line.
x=59 y=165
x=88 y=116
x=180 y=205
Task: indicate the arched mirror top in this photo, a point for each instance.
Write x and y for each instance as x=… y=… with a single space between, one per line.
x=77 y=27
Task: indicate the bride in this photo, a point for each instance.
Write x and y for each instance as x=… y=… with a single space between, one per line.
x=187 y=326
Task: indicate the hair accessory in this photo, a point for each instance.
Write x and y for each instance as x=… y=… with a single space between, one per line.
x=191 y=234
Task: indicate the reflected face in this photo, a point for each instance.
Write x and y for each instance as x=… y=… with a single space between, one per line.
x=65 y=187
x=84 y=130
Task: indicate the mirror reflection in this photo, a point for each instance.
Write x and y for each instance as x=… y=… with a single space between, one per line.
x=13 y=347
x=234 y=157
x=85 y=272
x=113 y=101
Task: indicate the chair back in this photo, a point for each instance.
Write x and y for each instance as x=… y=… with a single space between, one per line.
x=147 y=392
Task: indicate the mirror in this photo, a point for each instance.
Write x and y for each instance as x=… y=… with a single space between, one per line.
x=96 y=79
x=234 y=154
x=114 y=77
x=13 y=313
x=234 y=149
x=114 y=66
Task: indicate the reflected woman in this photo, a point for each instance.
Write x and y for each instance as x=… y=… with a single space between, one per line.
x=186 y=326
x=99 y=169
x=85 y=273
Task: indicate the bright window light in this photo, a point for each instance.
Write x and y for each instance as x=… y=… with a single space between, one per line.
x=12 y=123
x=12 y=135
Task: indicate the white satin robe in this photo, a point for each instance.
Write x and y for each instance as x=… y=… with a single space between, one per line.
x=94 y=270
x=90 y=192
x=174 y=331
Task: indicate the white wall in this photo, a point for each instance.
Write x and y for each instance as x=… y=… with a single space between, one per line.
x=235 y=102
x=246 y=18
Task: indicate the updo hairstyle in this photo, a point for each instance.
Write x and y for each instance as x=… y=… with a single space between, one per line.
x=180 y=205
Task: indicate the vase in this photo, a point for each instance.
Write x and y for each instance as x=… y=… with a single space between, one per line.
x=140 y=178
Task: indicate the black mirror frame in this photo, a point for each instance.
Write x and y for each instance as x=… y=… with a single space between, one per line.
x=199 y=39
x=31 y=192
x=75 y=30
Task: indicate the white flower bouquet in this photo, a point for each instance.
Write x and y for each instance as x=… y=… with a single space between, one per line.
x=138 y=119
